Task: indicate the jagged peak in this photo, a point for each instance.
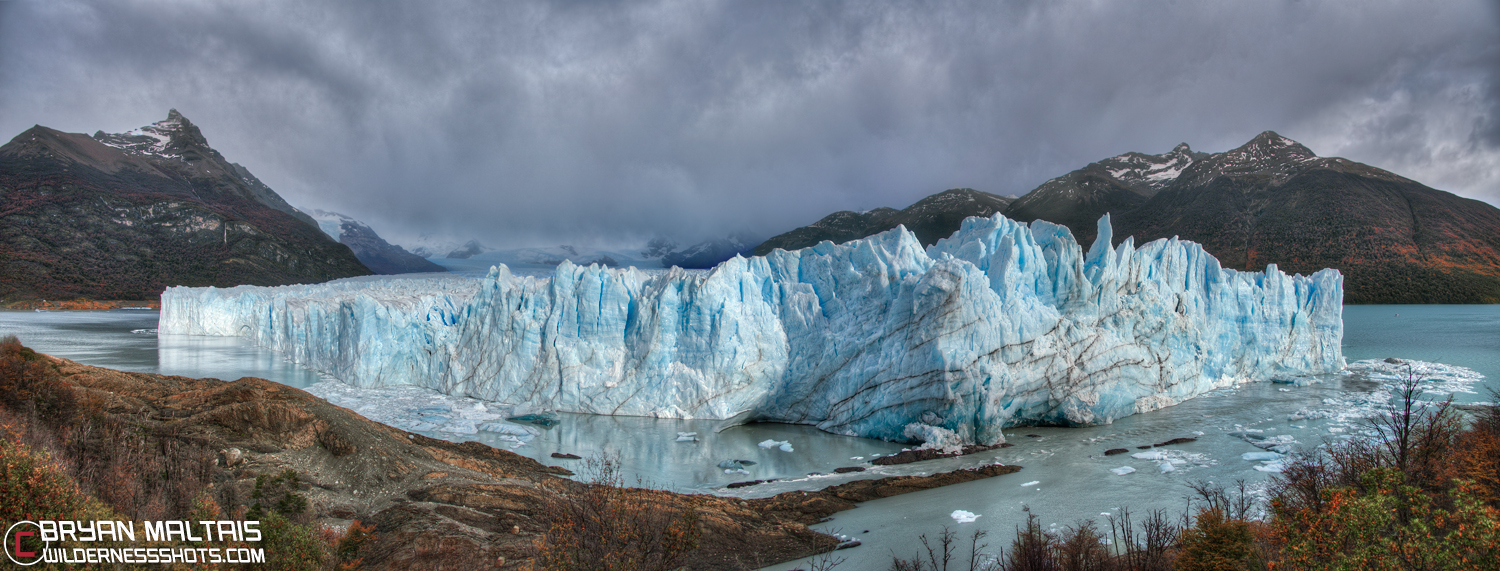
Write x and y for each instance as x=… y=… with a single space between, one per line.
x=1182 y=148
x=168 y=137
x=1270 y=142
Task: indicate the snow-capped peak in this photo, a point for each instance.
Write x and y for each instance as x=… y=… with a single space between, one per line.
x=155 y=139
x=1150 y=172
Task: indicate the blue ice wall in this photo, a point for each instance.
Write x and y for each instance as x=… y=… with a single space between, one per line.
x=1003 y=323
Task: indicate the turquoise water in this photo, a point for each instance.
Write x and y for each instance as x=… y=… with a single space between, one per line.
x=1463 y=335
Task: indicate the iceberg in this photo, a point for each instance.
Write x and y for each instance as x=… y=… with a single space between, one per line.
x=1002 y=324
x=962 y=516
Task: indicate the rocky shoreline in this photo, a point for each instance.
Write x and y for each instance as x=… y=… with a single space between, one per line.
x=437 y=504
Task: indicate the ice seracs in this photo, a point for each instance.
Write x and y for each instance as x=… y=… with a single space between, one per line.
x=1001 y=324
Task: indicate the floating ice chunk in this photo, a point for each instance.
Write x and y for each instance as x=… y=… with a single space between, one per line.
x=1122 y=470
x=1152 y=455
x=1275 y=466
x=460 y=427
x=508 y=428
x=1031 y=483
x=784 y=445
x=1260 y=456
x=1278 y=440
x=687 y=437
x=962 y=516
x=1166 y=467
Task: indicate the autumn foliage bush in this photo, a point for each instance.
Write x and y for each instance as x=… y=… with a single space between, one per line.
x=63 y=458
x=604 y=526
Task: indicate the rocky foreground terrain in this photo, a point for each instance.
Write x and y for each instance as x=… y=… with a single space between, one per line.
x=434 y=504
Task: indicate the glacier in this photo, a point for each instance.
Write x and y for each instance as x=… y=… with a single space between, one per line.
x=1002 y=324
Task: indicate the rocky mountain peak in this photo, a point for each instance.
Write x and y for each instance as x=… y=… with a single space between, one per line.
x=175 y=137
x=1269 y=143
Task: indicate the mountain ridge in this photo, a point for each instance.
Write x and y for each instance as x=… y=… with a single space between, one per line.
x=1271 y=200
x=374 y=252
x=123 y=216
x=931 y=219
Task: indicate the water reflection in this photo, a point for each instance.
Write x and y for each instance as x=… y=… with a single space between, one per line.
x=648 y=449
x=126 y=339
x=227 y=358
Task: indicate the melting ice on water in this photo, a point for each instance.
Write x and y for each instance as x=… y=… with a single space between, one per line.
x=1003 y=323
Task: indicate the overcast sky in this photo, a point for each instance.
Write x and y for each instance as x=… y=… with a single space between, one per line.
x=538 y=123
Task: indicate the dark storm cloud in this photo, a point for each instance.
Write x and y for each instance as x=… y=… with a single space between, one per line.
x=551 y=121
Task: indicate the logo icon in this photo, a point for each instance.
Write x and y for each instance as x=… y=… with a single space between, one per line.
x=20 y=544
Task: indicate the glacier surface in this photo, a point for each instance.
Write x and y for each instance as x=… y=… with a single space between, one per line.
x=1003 y=323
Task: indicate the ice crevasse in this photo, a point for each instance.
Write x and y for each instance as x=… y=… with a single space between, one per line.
x=1003 y=323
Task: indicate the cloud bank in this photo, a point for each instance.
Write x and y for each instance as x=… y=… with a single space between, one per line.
x=533 y=123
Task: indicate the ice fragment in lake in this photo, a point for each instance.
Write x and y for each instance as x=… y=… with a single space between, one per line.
x=1122 y=470
x=1260 y=456
x=1031 y=483
x=508 y=428
x=1003 y=323
x=962 y=516
x=687 y=437
x=783 y=444
x=1275 y=466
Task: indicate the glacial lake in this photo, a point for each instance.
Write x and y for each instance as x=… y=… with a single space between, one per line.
x=1065 y=476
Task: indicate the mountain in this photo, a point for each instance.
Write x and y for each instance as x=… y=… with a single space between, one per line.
x=373 y=251
x=123 y=216
x=1273 y=201
x=931 y=219
x=539 y=261
x=1116 y=184
x=709 y=253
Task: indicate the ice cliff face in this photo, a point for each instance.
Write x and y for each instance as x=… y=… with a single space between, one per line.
x=1001 y=324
